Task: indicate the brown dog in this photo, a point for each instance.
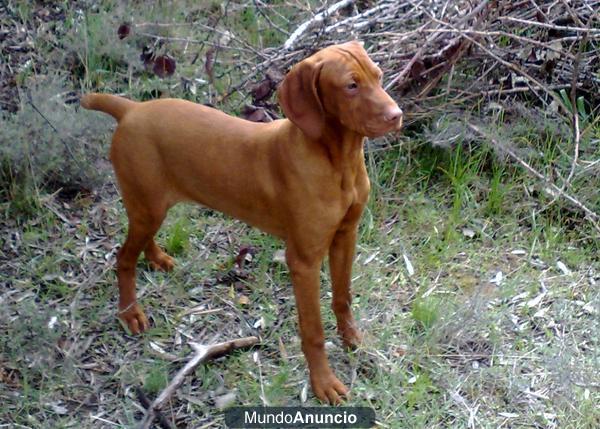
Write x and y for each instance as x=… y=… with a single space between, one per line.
x=304 y=180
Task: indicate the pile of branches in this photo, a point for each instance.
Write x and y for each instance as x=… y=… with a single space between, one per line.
x=527 y=46
x=441 y=56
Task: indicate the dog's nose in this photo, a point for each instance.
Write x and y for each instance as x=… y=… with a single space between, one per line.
x=392 y=114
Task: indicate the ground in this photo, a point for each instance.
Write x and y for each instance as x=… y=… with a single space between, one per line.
x=478 y=296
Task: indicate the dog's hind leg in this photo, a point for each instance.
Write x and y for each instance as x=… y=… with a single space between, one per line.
x=145 y=199
x=143 y=225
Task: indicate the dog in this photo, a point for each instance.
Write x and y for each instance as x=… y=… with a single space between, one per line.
x=304 y=180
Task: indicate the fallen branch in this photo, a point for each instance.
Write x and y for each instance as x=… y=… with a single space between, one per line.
x=318 y=18
x=550 y=26
x=162 y=420
x=554 y=190
x=202 y=354
x=575 y=111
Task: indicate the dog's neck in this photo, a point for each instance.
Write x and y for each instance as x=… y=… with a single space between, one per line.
x=344 y=146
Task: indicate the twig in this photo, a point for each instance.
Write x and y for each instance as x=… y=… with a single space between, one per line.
x=520 y=71
x=551 y=26
x=592 y=216
x=318 y=18
x=202 y=354
x=504 y=34
x=162 y=421
x=429 y=40
x=575 y=111
x=358 y=17
x=67 y=147
x=266 y=17
x=412 y=61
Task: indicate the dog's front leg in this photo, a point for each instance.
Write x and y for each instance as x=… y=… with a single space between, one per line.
x=341 y=255
x=305 y=273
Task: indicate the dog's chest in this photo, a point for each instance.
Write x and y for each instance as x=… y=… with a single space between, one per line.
x=354 y=187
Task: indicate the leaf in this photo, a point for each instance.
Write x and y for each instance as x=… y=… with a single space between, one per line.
x=468 y=232
x=255 y=114
x=554 y=53
x=409 y=266
x=279 y=256
x=563 y=268
x=497 y=278
x=274 y=75
x=508 y=415
x=417 y=69
x=262 y=90
x=52 y=322
x=260 y=323
x=535 y=301
x=371 y=257
x=540 y=16
x=164 y=66
x=245 y=254
x=304 y=393
x=225 y=400
x=124 y=30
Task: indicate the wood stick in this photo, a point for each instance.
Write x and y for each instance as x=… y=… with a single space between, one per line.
x=162 y=420
x=551 y=26
x=202 y=354
x=319 y=17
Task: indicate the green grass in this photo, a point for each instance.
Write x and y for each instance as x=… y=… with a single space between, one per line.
x=424 y=332
x=178 y=237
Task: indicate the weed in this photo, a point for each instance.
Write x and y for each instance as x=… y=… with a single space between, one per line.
x=497 y=192
x=155 y=380
x=425 y=312
x=178 y=237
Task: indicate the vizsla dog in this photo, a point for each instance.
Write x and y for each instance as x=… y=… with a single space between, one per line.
x=304 y=180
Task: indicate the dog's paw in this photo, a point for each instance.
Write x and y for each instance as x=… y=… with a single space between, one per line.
x=328 y=388
x=162 y=262
x=134 y=318
x=351 y=337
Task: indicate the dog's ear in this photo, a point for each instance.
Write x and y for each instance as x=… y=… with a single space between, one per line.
x=299 y=98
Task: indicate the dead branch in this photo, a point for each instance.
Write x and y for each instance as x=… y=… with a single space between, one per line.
x=575 y=111
x=143 y=399
x=203 y=353
x=550 y=26
x=314 y=21
x=554 y=190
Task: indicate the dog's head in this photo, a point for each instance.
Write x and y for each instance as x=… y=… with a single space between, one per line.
x=341 y=83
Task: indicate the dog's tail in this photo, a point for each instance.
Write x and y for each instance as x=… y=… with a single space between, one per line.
x=112 y=104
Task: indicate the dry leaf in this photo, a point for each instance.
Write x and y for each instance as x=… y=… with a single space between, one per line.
x=164 y=66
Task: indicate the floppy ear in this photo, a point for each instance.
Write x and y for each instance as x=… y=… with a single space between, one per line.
x=299 y=98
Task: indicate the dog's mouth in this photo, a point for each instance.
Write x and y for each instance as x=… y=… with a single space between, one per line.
x=383 y=129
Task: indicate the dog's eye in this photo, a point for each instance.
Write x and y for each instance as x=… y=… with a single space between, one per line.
x=352 y=86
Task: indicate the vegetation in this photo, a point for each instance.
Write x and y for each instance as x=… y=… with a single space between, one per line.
x=477 y=289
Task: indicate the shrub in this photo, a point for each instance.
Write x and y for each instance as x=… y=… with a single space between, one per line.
x=50 y=143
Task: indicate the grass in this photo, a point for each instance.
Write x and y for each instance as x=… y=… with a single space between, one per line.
x=450 y=342
x=445 y=346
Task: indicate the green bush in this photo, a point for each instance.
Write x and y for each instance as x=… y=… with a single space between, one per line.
x=50 y=143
